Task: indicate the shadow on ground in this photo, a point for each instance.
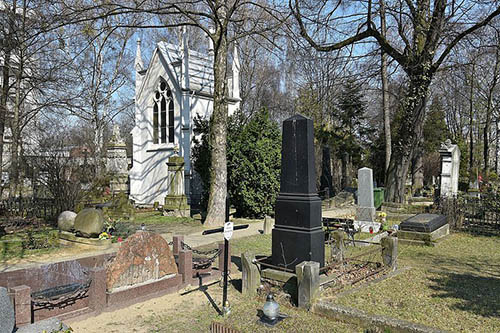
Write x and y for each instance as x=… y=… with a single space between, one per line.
x=476 y=294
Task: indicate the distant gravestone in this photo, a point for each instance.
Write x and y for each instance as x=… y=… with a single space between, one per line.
x=116 y=162
x=89 y=222
x=298 y=235
x=326 y=173
x=7 y=318
x=450 y=165
x=176 y=199
x=66 y=220
x=366 y=209
x=143 y=257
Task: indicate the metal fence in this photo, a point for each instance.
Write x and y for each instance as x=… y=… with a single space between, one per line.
x=28 y=209
x=475 y=214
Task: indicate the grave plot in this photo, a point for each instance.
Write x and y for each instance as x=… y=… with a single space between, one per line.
x=144 y=267
x=297 y=264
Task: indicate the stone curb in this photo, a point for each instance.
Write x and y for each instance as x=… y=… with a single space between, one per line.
x=360 y=317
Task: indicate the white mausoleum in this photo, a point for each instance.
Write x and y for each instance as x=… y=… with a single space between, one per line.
x=175 y=87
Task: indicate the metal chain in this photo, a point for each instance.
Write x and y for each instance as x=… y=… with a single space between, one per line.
x=206 y=253
x=206 y=262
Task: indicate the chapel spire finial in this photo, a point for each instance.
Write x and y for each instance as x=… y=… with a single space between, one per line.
x=139 y=65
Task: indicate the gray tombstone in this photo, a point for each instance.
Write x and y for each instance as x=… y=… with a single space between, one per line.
x=366 y=208
x=7 y=318
x=450 y=165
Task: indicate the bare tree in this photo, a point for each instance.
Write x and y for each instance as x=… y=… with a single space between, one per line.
x=420 y=38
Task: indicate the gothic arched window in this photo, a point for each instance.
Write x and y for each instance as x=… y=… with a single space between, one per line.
x=163 y=103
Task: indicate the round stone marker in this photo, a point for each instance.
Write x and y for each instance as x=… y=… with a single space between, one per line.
x=89 y=222
x=66 y=220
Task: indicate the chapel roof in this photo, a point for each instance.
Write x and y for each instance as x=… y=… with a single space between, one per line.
x=201 y=76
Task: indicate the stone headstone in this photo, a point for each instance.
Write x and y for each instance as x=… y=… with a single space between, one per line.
x=365 y=211
x=142 y=257
x=297 y=235
x=89 y=222
x=450 y=166
x=7 y=316
x=176 y=199
x=66 y=220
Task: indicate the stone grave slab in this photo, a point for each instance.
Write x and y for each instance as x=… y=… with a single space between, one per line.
x=423 y=223
x=423 y=229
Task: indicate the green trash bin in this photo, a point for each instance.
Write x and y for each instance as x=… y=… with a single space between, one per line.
x=378 y=196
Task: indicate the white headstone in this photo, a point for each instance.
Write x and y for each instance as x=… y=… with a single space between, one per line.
x=366 y=208
x=450 y=165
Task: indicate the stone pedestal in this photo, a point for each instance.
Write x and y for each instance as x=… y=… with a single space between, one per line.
x=297 y=235
x=176 y=199
x=117 y=163
x=365 y=211
x=450 y=165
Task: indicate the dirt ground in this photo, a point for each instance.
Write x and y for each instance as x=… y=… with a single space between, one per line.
x=140 y=317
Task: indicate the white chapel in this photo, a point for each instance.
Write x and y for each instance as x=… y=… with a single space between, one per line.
x=175 y=87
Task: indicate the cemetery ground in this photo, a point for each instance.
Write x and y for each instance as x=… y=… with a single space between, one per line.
x=454 y=286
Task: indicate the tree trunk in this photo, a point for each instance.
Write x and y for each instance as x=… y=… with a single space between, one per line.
x=471 y=121
x=6 y=70
x=218 y=135
x=489 y=107
x=385 y=93
x=16 y=137
x=496 y=146
x=409 y=134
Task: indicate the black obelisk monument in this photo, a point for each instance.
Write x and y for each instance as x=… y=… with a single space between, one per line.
x=298 y=235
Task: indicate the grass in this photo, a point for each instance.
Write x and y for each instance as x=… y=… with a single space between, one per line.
x=454 y=286
x=22 y=244
x=243 y=316
x=156 y=222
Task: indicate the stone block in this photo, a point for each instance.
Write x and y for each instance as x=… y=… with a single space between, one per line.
x=22 y=305
x=390 y=251
x=268 y=225
x=250 y=274
x=307 y=283
x=97 y=290
x=425 y=237
x=177 y=244
x=7 y=315
x=365 y=214
x=186 y=266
